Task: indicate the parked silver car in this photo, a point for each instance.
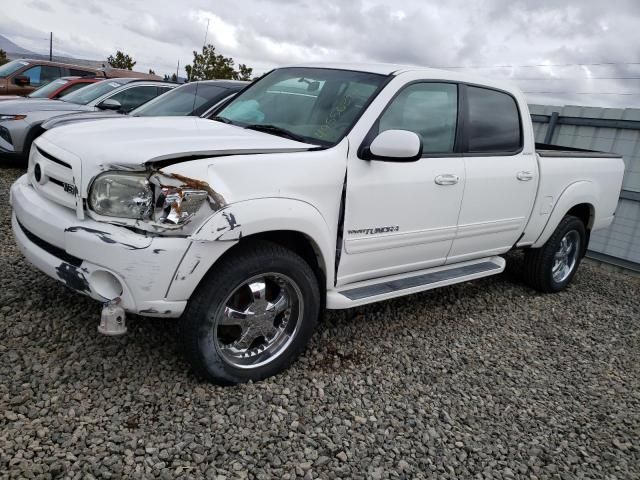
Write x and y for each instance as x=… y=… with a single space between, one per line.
x=196 y=99
x=21 y=120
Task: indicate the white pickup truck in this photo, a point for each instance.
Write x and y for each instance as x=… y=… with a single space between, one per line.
x=317 y=186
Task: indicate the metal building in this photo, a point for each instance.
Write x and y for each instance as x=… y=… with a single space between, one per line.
x=608 y=130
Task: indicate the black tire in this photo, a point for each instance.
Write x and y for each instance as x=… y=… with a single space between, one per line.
x=539 y=262
x=199 y=330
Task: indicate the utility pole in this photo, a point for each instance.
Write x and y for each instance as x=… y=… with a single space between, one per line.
x=50 y=46
x=177 y=70
x=206 y=33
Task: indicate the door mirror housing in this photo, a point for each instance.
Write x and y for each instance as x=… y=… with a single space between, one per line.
x=395 y=146
x=110 y=104
x=22 y=80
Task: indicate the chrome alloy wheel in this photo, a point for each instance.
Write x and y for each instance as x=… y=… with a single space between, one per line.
x=566 y=256
x=258 y=320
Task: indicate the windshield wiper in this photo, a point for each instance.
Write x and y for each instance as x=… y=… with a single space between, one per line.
x=221 y=119
x=275 y=130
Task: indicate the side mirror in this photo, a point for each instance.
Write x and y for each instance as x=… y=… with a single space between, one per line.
x=22 y=80
x=110 y=104
x=394 y=146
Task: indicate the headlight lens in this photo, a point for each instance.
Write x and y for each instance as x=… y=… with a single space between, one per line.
x=12 y=117
x=122 y=195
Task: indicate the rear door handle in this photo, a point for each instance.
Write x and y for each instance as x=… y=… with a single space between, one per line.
x=447 y=179
x=524 y=176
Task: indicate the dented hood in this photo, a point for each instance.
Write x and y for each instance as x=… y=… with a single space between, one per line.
x=133 y=142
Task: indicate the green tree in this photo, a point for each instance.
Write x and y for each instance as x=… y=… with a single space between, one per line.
x=209 y=65
x=3 y=57
x=151 y=72
x=121 y=60
x=244 y=72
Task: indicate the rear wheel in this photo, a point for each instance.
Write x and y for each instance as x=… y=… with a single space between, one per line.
x=551 y=267
x=252 y=315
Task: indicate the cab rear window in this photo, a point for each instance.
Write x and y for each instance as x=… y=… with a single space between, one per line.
x=493 y=122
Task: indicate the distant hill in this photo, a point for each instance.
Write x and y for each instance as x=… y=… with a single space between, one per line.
x=16 y=51
x=11 y=48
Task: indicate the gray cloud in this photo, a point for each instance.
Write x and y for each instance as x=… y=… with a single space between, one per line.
x=458 y=33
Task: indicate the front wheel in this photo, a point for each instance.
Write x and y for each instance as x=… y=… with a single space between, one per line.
x=252 y=315
x=551 y=267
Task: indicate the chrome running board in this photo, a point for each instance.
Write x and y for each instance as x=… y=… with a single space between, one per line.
x=370 y=291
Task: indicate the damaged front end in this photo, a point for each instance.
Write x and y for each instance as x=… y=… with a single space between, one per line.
x=152 y=201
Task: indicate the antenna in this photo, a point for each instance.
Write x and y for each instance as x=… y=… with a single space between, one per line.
x=204 y=44
x=50 y=46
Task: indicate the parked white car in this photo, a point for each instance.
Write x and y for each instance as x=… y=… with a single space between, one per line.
x=324 y=185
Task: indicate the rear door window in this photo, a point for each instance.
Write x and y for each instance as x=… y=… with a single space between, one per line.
x=492 y=122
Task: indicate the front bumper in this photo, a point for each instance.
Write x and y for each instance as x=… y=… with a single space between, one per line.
x=87 y=255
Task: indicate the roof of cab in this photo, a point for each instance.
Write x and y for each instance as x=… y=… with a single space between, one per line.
x=394 y=69
x=379 y=68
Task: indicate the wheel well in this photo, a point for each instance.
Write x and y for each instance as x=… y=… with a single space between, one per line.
x=296 y=241
x=584 y=212
x=35 y=132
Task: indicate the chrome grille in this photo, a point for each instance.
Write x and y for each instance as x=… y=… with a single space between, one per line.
x=53 y=177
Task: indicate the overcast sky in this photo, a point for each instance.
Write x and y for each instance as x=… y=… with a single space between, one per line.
x=267 y=33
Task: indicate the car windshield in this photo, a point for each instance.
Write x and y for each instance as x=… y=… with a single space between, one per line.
x=48 y=89
x=190 y=99
x=315 y=105
x=90 y=93
x=11 y=67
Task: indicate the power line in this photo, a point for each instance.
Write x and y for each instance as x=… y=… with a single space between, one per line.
x=572 y=78
x=545 y=65
x=582 y=93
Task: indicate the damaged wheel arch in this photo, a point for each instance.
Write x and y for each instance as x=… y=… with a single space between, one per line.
x=291 y=223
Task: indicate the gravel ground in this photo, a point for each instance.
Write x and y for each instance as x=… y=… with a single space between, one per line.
x=484 y=380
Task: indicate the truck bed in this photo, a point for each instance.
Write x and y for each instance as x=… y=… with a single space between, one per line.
x=548 y=150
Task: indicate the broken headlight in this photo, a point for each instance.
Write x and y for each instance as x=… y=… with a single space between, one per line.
x=140 y=197
x=122 y=195
x=176 y=205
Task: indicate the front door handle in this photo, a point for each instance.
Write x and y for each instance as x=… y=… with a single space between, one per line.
x=524 y=176
x=447 y=179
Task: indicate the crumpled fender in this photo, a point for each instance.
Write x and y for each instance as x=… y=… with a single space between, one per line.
x=239 y=220
x=575 y=194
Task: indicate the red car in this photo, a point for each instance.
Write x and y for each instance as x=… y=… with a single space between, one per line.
x=57 y=88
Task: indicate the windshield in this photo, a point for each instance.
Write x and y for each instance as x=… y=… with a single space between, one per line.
x=11 y=67
x=90 y=93
x=190 y=99
x=48 y=89
x=315 y=104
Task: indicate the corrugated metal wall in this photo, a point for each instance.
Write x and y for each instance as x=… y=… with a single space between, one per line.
x=622 y=240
